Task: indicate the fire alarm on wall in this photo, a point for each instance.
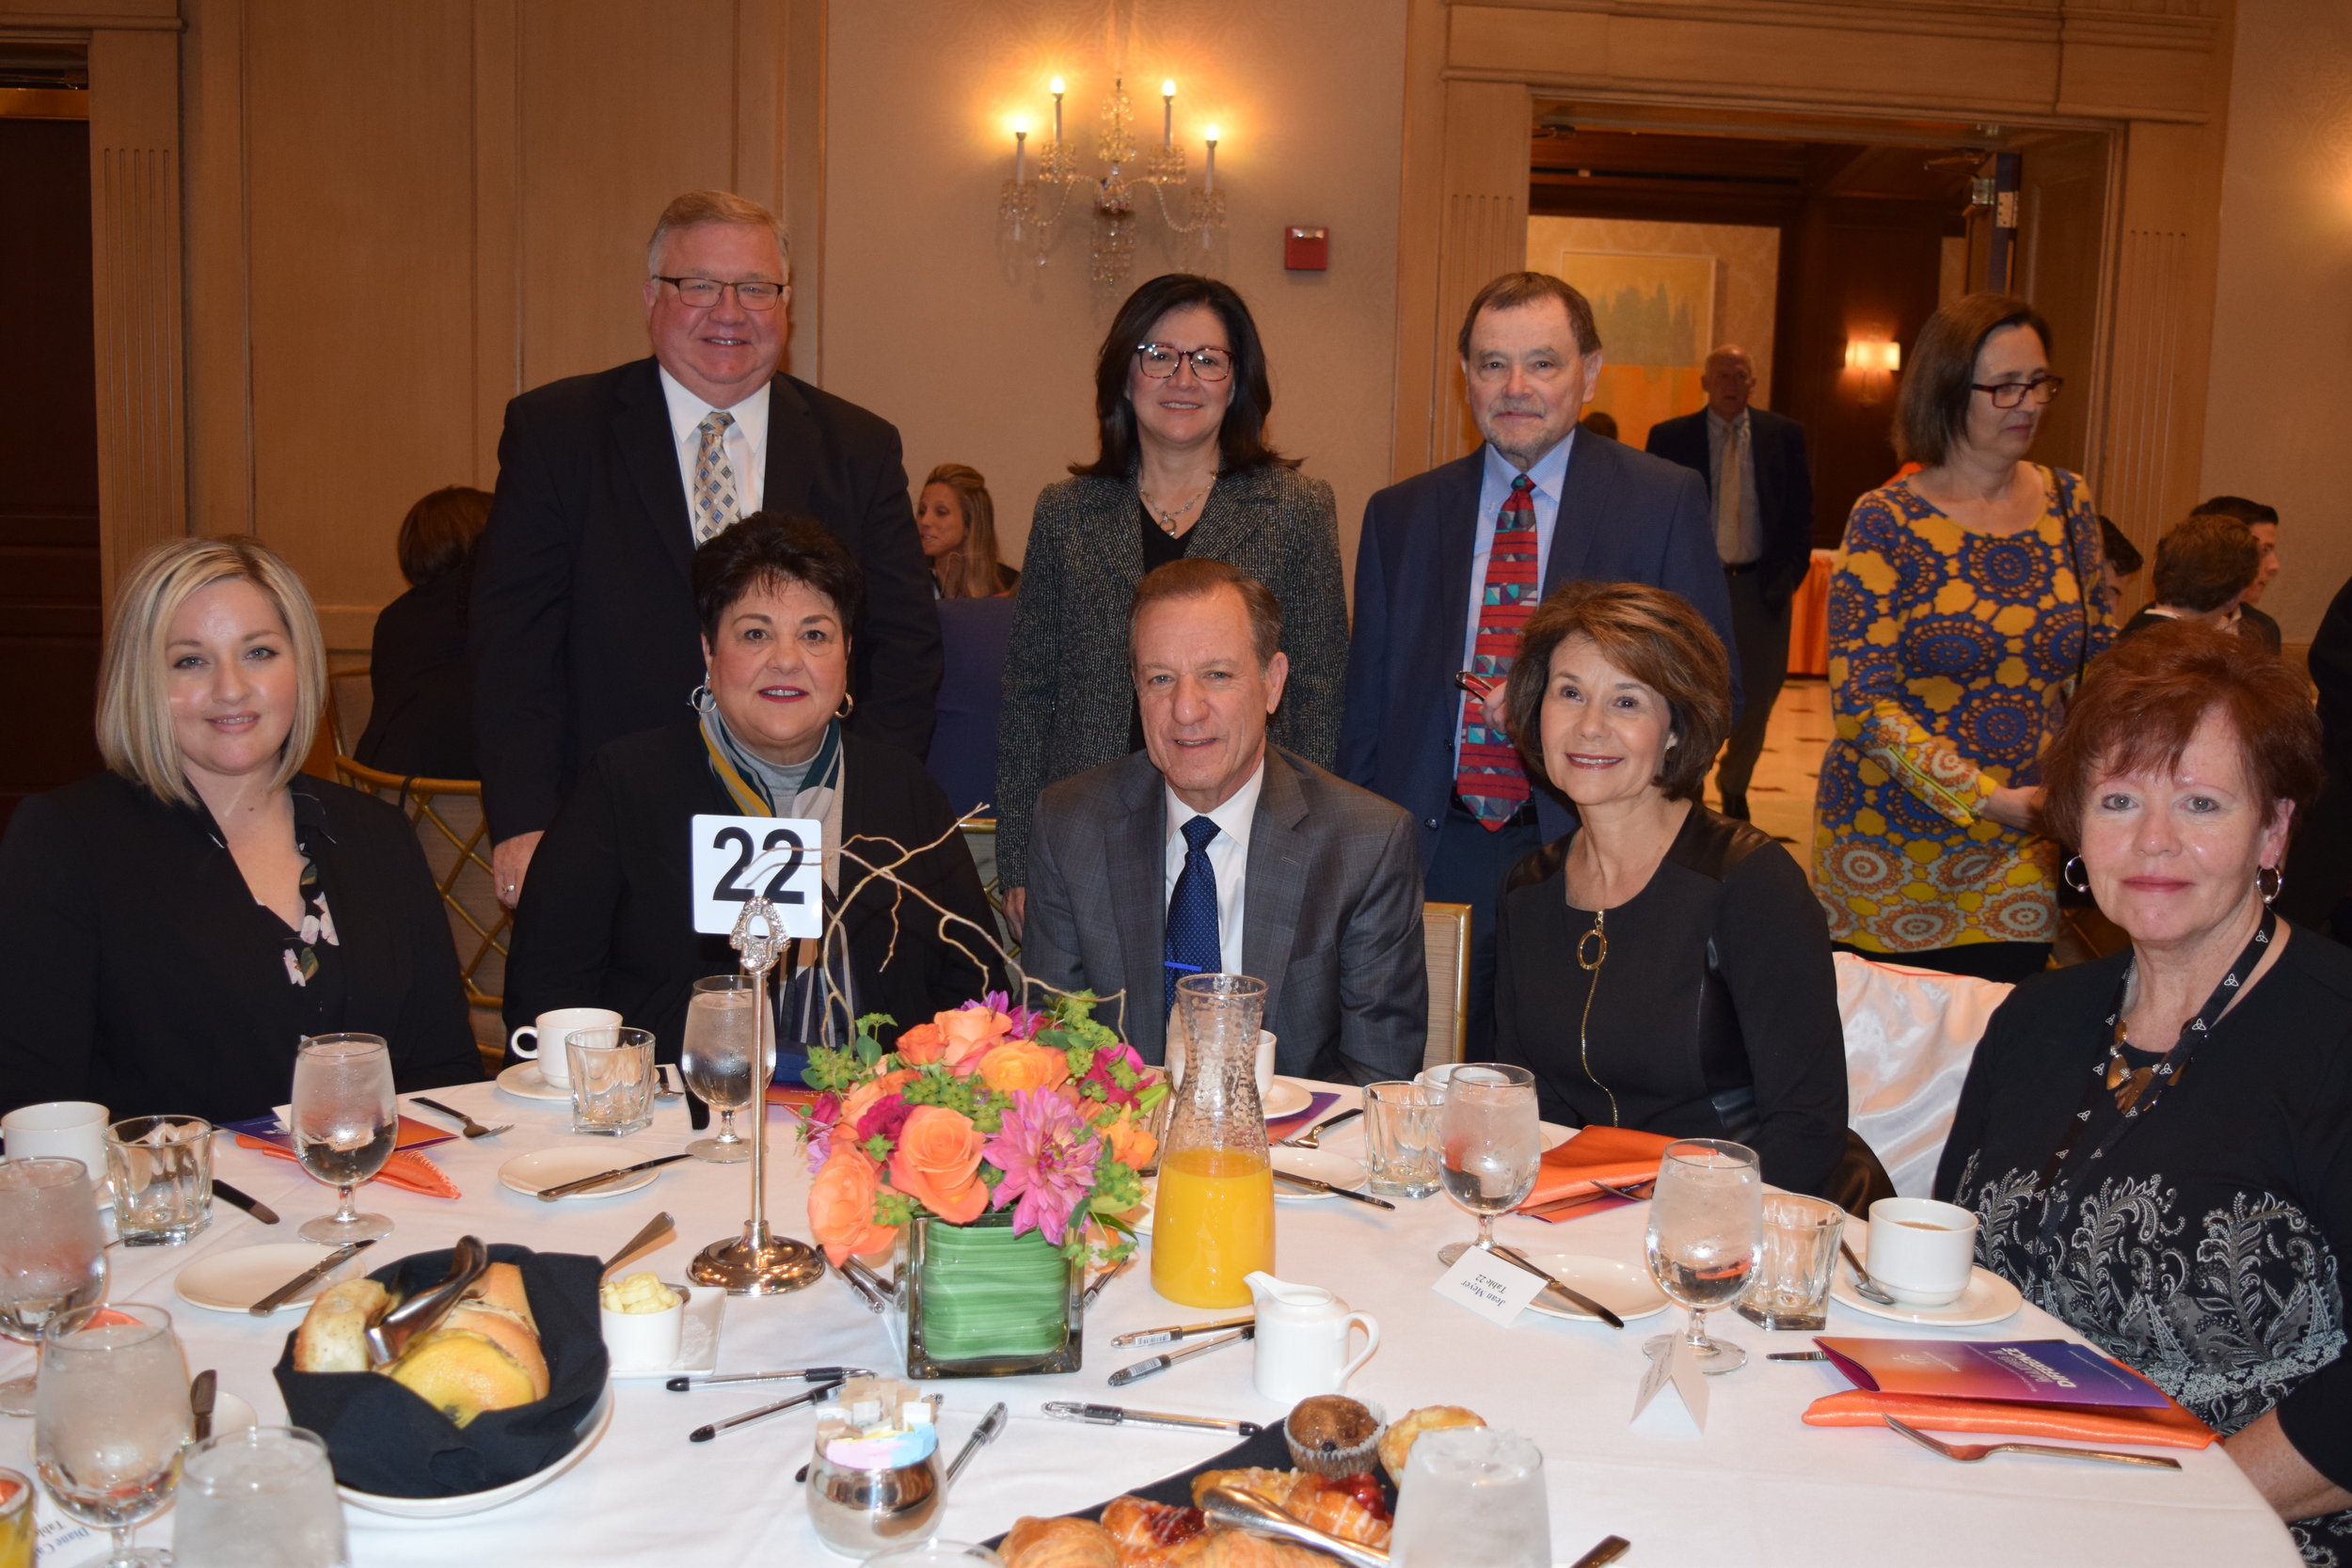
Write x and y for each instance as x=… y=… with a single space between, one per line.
x=1307 y=250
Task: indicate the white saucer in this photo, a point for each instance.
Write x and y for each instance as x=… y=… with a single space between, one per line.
x=233 y=1280
x=427 y=1510
x=1554 y=1136
x=531 y=1174
x=1988 y=1299
x=232 y=1413
x=698 y=1338
x=1624 y=1289
x=524 y=1082
x=1285 y=1096
x=1321 y=1163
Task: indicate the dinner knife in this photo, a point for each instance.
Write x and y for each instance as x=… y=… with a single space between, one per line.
x=1113 y=1415
x=245 y=1201
x=1153 y=1365
x=1315 y=1185
x=1180 y=1331
x=703 y=1435
x=202 y=1391
x=565 y=1189
x=1798 y=1355
x=1581 y=1301
x=801 y=1374
x=1611 y=1548
x=317 y=1270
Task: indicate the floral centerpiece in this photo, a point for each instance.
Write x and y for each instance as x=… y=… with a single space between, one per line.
x=1007 y=1142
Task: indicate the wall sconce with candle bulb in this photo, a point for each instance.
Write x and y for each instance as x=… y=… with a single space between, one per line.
x=1878 y=359
x=1035 y=200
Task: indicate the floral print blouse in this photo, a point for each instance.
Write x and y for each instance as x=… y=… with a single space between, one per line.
x=317 y=929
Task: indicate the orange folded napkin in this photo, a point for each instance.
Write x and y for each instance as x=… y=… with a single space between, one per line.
x=2170 y=1428
x=406 y=1170
x=1617 y=1155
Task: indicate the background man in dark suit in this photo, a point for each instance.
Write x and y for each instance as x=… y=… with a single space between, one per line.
x=2262 y=521
x=1211 y=849
x=1539 y=504
x=1760 y=491
x=583 y=626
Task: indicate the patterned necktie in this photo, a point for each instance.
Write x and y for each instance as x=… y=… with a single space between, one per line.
x=1488 y=777
x=1730 y=485
x=716 y=508
x=1191 y=945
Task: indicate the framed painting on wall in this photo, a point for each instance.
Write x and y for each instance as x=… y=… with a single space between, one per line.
x=1656 y=316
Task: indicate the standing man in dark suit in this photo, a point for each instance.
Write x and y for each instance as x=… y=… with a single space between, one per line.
x=1212 y=850
x=1760 y=489
x=584 y=624
x=1449 y=568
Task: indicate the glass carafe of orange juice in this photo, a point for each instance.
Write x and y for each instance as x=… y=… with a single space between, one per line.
x=1213 y=1226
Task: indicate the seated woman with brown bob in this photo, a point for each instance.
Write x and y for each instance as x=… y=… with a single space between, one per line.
x=2157 y=1145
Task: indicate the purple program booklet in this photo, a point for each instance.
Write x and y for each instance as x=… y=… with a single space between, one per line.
x=2025 y=1371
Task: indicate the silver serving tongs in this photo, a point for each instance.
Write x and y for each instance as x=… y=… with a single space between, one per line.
x=1241 y=1509
x=390 y=1336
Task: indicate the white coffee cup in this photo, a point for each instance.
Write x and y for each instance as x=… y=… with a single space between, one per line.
x=1921 y=1251
x=1263 y=1070
x=554 y=1065
x=76 y=1128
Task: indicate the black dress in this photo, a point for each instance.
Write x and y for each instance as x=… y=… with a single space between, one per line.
x=421 y=722
x=141 y=972
x=2206 y=1250
x=1714 y=1014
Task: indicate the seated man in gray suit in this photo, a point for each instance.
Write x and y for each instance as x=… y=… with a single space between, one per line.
x=1211 y=849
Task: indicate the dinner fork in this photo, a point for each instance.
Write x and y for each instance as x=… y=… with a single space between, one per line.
x=1313 y=1137
x=1968 y=1454
x=472 y=1128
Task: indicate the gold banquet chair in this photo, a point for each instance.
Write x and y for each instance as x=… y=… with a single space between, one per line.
x=1445 y=935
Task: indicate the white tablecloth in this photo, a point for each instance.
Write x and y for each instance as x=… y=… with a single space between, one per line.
x=1759 y=1487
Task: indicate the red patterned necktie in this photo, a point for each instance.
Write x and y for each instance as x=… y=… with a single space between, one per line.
x=1488 y=777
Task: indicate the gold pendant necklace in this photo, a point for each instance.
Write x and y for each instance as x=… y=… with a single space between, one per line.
x=1592 y=951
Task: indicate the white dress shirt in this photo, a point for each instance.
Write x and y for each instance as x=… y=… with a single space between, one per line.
x=746 y=441
x=1229 y=859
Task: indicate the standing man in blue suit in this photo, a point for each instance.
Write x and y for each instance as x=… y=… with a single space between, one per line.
x=1760 y=493
x=1447 y=552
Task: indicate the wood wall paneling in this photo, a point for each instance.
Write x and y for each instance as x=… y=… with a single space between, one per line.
x=1484 y=235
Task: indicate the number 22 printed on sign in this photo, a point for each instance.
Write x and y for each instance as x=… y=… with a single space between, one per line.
x=780 y=858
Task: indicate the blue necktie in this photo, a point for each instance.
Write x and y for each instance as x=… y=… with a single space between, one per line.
x=1192 y=913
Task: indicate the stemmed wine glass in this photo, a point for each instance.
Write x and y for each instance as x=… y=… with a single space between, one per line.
x=722 y=1034
x=1705 y=1229
x=53 y=1255
x=1493 y=1144
x=112 y=1421
x=346 y=1121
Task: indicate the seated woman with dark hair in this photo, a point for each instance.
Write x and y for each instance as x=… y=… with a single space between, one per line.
x=606 y=917
x=420 y=719
x=1662 y=967
x=2158 y=1144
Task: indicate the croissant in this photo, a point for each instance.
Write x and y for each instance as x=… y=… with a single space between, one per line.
x=1309 y=1498
x=1146 y=1532
x=1231 y=1549
x=1059 y=1544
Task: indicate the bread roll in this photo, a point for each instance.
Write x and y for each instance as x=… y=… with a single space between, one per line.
x=462 y=1373
x=334 y=1333
x=1396 y=1444
x=509 y=1333
x=1059 y=1543
x=501 y=1287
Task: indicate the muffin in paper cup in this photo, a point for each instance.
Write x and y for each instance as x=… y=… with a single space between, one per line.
x=1310 y=1429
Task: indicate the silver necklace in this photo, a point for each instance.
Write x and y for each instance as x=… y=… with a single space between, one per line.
x=1167 y=518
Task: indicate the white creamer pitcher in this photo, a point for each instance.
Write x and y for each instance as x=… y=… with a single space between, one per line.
x=1302 y=1339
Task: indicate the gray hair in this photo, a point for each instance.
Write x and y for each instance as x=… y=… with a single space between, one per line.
x=696 y=208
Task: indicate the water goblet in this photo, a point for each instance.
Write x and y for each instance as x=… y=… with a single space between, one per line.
x=346 y=1122
x=722 y=1034
x=112 y=1421
x=1493 y=1144
x=53 y=1255
x=1705 y=1228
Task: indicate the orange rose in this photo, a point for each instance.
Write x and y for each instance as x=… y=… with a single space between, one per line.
x=1131 y=1144
x=1018 y=1065
x=841 y=1206
x=922 y=1045
x=865 y=1098
x=937 y=1163
x=970 y=1031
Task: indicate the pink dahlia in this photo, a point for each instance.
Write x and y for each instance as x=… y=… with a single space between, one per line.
x=1047 y=1152
x=1023 y=1021
x=1101 y=1072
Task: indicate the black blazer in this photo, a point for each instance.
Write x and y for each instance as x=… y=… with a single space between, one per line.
x=583 y=626
x=1784 y=488
x=421 y=722
x=141 y=972
x=606 y=918
x=1624 y=516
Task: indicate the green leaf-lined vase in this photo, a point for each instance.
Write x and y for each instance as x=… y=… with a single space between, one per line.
x=977 y=1301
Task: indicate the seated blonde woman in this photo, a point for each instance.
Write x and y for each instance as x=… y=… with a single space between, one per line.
x=171 y=929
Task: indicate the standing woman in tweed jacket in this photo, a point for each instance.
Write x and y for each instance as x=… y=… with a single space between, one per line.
x=1181 y=396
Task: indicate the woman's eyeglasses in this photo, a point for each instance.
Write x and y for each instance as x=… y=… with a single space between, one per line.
x=1159 y=361
x=2009 y=394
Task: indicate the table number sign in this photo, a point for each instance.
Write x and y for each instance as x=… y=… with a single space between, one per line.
x=735 y=857
x=1489 y=1286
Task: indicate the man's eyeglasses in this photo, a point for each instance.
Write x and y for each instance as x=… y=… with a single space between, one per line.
x=703 y=292
x=1159 y=361
x=2009 y=394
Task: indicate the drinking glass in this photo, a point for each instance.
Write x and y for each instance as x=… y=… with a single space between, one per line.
x=1403 y=1147
x=722 y=1032
x=613 y=1080
x=1493 y=1144
x=1798 y=1260
x=53 y=1255
x=260 y=1497
x=346 y=1121
x=1472 y=1495
x=112 y=1421
x=17 y=1525
x=161 y=1168
x=1706 y=1226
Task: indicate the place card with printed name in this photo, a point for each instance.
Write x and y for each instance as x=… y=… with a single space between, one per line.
x=1487 y=1285
x=1685 y=1415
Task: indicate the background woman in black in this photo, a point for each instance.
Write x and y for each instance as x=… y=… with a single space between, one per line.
x=2195 y=1224
x=421 y=716
x=1662 y=967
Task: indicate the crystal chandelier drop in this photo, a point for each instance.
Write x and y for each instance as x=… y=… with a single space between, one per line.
x=1032 y=210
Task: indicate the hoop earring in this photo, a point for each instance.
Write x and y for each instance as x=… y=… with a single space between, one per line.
x=2277 y=883
x=849 y=705
x=701 y=699
x=2073 y=869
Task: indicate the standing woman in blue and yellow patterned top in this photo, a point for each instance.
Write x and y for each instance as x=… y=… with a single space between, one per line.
x=1967 y=599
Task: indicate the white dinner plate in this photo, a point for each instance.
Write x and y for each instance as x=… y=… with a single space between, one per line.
x=531 y=1174
x=697 y=1340
x=428 y=1509
x=1988 y=1299
x=1554 y=1136
x=1286 y=1097
x=524 y=1082
x=1321 y=1163
x=232 y=1281
x=1624 y=1289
